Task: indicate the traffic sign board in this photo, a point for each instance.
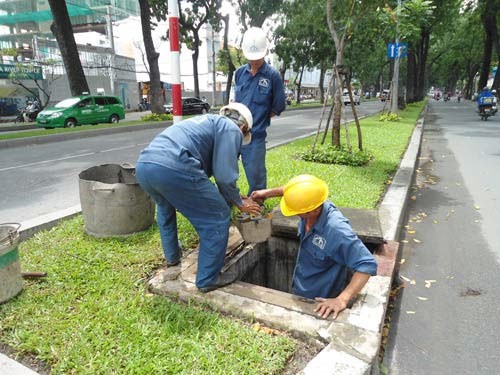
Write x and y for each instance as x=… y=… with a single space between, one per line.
x=395 y=50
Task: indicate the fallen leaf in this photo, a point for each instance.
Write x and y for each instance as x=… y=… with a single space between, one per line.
x=404 y=278
x=422 y=298
x=402 y=261
x=411 y=232
x=477 y=221
x=409 y=312
x=413 y=198
x=477 y=207
x=417 y=241
x=413 y=282
x=404 y=241
x=435 y=221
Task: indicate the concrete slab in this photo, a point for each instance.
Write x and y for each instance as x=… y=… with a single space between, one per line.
x=10 y=367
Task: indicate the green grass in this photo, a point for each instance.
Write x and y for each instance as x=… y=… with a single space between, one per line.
x=93 y=314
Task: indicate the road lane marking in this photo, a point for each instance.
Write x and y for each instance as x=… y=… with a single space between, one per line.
x=71 y=157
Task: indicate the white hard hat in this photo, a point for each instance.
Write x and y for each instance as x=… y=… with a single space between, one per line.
x=239 y=113
x=254 y=44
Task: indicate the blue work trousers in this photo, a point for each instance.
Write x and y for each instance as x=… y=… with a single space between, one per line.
x=253 y=157
x=199 y=200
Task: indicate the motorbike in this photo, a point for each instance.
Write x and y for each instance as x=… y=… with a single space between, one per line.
x=28 y=113
x=486 y=111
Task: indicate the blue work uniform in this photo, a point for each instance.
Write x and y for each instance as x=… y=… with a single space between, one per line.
x=175 y=170
x=326 y=253
x=263 y=94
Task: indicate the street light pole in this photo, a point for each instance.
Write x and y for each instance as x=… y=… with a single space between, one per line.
x=395 y=77
x=112 y=55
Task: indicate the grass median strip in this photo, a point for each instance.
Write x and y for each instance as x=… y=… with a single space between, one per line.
x=92 y=314
x=48 y=132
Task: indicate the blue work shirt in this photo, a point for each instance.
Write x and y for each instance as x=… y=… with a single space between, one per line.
x=208 y=144
x=326 y=253
x=263 y=94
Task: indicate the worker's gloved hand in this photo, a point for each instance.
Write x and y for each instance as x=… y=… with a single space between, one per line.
x=250 y=207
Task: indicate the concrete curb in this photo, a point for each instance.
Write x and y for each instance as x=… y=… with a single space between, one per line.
x=332 y=359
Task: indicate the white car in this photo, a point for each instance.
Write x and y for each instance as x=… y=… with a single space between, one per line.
x=347 y=100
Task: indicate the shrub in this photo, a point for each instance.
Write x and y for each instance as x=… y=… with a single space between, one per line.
x=157 y=117
x=335 y=155
x=389 y=117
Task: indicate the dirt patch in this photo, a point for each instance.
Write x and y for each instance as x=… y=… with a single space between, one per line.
x=471 y=293
x=304 y=353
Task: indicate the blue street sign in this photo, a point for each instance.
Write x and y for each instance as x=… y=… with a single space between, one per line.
x=395 y=49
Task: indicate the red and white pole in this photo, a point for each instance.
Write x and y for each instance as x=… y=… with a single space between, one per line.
x=175 y=49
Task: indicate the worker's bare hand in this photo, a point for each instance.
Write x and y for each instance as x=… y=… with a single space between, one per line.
x=327 y=306
x=250 y=207
x=258 y=196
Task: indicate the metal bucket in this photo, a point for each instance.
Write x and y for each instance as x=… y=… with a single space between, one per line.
x=11 y=281
x=254 y=229
x=113 y=203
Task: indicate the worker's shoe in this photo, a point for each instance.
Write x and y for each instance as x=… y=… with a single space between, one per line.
x=224 y=279
x=173 y=264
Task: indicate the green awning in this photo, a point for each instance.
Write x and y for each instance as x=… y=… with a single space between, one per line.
x=43 y=15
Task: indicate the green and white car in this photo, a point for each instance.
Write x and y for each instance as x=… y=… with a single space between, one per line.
x=82 y=110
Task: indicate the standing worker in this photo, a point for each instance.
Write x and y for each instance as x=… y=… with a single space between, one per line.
x=329 y=249
x=175 y=170
x=260 y=88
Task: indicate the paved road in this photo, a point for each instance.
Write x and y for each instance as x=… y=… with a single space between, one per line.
x=447 y=318
x=42 y=179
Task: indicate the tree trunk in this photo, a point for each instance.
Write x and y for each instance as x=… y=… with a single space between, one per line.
x=321 y=83
x=63 y=31
x=152 y=56
x=194 y=56
x=411 y=77
x=491 y=33
x=299 y=83
x=337 y=111
x=422 y=52
x=230 y=64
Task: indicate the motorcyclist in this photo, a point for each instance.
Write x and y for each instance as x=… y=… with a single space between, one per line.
x=31 y=111
x=482 y=98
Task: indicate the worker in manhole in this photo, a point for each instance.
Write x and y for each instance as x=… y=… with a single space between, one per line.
x=329 y=249
x=175 y=170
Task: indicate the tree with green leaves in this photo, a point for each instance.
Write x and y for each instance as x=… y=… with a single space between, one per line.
x=253 y=13
x=152 y=57
x=63 y=31
x=342 y=18
x=193 y=15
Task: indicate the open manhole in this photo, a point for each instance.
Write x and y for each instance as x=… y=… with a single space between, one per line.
x=262 y=291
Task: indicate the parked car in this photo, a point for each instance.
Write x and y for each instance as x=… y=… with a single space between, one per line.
x=385 y=95
x=82 y=110
x=347 y=100
x=190 y=106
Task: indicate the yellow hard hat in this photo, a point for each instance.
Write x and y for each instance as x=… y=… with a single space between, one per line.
x=303 y=194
